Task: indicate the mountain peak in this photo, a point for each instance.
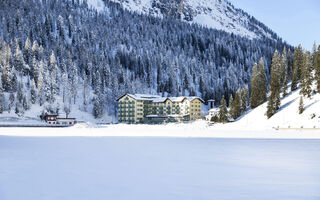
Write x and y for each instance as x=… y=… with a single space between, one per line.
x=217 y=14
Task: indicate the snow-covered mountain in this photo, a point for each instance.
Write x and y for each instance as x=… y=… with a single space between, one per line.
x=218 y=14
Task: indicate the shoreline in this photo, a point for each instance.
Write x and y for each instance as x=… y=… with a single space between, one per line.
x=196 y=130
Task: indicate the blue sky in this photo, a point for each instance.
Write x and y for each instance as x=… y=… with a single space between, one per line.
x=296 y=21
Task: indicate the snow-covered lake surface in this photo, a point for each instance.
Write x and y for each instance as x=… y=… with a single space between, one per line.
x=122 y=168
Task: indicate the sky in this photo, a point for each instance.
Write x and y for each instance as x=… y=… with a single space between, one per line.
x=295 y=21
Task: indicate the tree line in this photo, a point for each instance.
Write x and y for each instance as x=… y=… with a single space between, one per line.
x=301 y=69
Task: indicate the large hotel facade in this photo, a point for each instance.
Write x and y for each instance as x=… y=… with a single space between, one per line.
x=141 y=108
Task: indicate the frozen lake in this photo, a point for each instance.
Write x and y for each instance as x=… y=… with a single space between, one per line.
x=67 y=168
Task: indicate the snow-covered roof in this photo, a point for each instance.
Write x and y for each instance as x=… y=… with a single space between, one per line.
x=177 y=99
x=193 y=98
x=159 y=99
x=145 y=97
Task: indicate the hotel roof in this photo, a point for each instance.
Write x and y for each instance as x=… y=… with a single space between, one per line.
x=159 y=99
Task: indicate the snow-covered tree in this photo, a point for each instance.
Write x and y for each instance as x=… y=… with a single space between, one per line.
x=297 y=66
x=316 y=66
x=27 y=51
x=85 y=92
x=275 y=85
x=306 y=79
x=2 y=98
x=223 y=111
x=235 y=110
x=284 y=72
x=18 y=61
x=33 y=92
x=244 y=95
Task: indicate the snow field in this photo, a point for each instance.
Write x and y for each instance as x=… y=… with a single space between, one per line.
x=158 y=168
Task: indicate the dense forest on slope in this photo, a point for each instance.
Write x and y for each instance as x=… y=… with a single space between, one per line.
x=67 y=55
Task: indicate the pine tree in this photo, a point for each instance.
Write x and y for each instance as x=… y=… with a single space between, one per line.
x=11 y=102
x=27 y=51
x=255 y=90
x=301 y=105
x=316 y=66
x=7 y=74
x=65 y=88
x=85 y=91
x=67 y=109
x=262 y=82
x=275 y=85
x=53 y=73
x=284 y=72
x=235 y=110
x=244 y=96
x=258 y=85
x=1 y=88
x=18 y=109
x=2 y=102
x=314 y=54
x=230 y=101
x=223 y=112
x=73 y=80
x=20 y=93
x=2 y=98
x=97 y=107
x=306 y=79
x=25 y=104
x=297 y=66
x=40 y=82
x=18 y=61
x=33 y=92
x=35 y=50
x=47 y=86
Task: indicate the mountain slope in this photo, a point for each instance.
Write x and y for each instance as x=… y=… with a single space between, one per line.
x=287 y=118
x=67 y=56
x=218 y=14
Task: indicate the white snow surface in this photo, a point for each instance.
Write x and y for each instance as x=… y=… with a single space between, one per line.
x=217 y=14
x=96 y=4
x=158 y=168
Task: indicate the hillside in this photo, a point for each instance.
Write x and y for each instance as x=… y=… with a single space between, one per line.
x=81 y=57
x=217 y=14
x=287 y=118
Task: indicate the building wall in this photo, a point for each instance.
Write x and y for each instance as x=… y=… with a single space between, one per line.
x=127 y=108
x=195 y=109
x=135 y=111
